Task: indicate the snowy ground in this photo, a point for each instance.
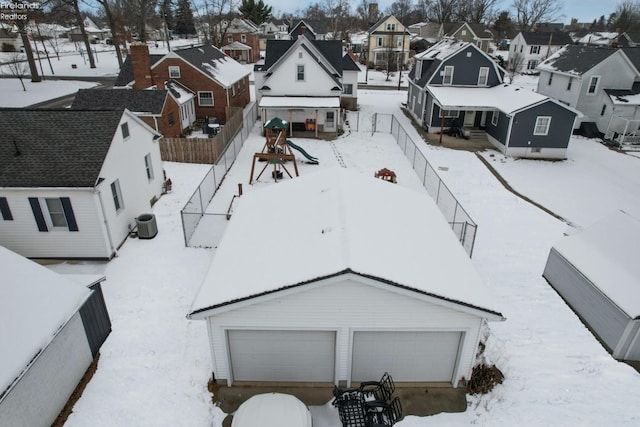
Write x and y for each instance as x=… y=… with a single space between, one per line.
x=155 y=365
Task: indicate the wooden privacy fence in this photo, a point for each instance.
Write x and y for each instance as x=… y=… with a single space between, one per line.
x=202 y=150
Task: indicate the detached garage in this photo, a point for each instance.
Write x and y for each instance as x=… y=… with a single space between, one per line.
x=337 y=277
x=597 y=273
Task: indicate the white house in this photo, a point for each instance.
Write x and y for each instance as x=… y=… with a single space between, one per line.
x=306 y=81
x=599 y=82
x=337 y=277
x=529 y=48
x=72 y=183
x=596 y=272
x=45 y=322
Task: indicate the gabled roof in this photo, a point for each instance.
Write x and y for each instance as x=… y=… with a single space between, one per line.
x=576 y=59
x=633 y=53
x=598 y=38
x=376 y=27
x=480 y=30
x=137 y=101
x=214 y=63
x=348 y=64
x=55 y=148
x=331 y=50
x=331 y=217
x=236 y=46
x=624 y=97
x=553 y=38
x=36 y=302
x=317 y=27
x=125 y=77
x=179 y=92
x=238 y=25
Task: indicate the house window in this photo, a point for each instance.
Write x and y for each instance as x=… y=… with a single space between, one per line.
x=391 y=27
x=348 y=89
x=604 y=108
x=570 y=83
x=243 y=38
x=56 y=212
x=542 y=125
x=593 y=84
x=399 y=40
x=148 y=166
x=117 y=195
x=463 y=32
x=4 y=209
x=171 y=119
x=494 y=118
x=483 y=76
x=300 y=73
x=174 y=72
x=532 y=64
x=379 y=41
x=447 y=79
x=330 y=118
x=521 y=47
x=534 y=50
x=449 y=114
x=205 y=99
x=125 y=130
x=230 y=39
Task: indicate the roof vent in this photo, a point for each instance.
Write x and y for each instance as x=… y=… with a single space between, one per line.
x=327 y=230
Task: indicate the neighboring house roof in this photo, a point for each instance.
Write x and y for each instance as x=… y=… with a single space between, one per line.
x=576 y=59
x=36 y=303
x=378 y=26
x=238 y=25
x=179 y=92
x=550 y=38
x=606 y=254
x=599 y=38
x=317 y=27
x=633 y=53
x=348 y=64
x=136 y=101
x=624 y=97
x=236 y=46
x=480 y=30
x=335 y=215
x=330 y=49
x=55 y=148
x=126 y=77
x=214 y=63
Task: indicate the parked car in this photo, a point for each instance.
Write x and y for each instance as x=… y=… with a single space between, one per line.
x=272 y=409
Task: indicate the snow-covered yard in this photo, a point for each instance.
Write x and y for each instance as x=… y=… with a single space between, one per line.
x=154 y=368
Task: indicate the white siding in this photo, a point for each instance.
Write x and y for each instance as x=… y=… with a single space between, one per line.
x=21 y=235
x=558 y=87
x=351 y=77
x=125 y=162
x=39 y=396
x=343 y=306
x=316 y=80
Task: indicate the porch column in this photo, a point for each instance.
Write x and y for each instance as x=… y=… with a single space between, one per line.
x=315 y=128
x=291 y=123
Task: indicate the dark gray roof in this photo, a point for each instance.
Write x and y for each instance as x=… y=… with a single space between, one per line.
x=349 y=64
x=633 y=53
x=137 y=101
x=577 y=59
x=54 y=148
x=126 y=72
x=480 y=30
x=554 y=38
x=330 y=49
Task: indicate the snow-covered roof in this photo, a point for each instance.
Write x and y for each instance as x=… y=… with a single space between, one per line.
x=273 y=409
x=606 y=253
x=443 y=49
x=506 y=98
x=214 y=63
x=598 y=38
x=628 y=98
x=35 y=304
x=333 y=222
x=300 y=102
x=236 y=46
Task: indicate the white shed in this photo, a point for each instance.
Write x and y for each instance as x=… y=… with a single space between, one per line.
x=597 y=273
x=337 y=277
x=45 y=340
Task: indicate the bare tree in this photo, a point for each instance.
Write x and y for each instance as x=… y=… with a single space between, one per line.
x=113 y=27
x=22 y=30
x=75 y=5
x=516 y=60
x=401 y=9
x=529 y=13
x=18 y=67
x=142 y=10
x=627 y=16
x=477 y=11
x=443 y=10
x=215 y=18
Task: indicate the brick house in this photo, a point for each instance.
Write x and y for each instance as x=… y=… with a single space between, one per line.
x=216 y=80
x=168 y=112
x=242 y=41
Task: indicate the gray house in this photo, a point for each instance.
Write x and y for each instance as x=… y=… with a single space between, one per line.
x=597 y=273
x=456 y=83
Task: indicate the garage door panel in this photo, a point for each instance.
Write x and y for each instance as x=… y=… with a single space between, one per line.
x=407 y=356
x=296 y=356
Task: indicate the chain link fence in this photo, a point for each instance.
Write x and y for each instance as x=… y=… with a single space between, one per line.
x=459 y=220
x=194 y=211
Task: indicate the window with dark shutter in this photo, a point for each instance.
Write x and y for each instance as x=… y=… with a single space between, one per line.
x=68 y=213
x=37 y=214
x=4 y=209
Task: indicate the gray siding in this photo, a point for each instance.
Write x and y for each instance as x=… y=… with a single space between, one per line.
x=559 y=131
x=602 y=317
x=466 y=69
x=499 y=132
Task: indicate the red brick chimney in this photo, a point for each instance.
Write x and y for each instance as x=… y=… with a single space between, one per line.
x=141 y=66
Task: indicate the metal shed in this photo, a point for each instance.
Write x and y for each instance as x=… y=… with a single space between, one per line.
x=596 y=272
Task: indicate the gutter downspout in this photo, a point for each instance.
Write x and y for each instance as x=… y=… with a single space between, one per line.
x=106 y=223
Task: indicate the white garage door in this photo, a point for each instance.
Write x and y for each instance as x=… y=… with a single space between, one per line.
x=407 y=356
x=305 y=356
